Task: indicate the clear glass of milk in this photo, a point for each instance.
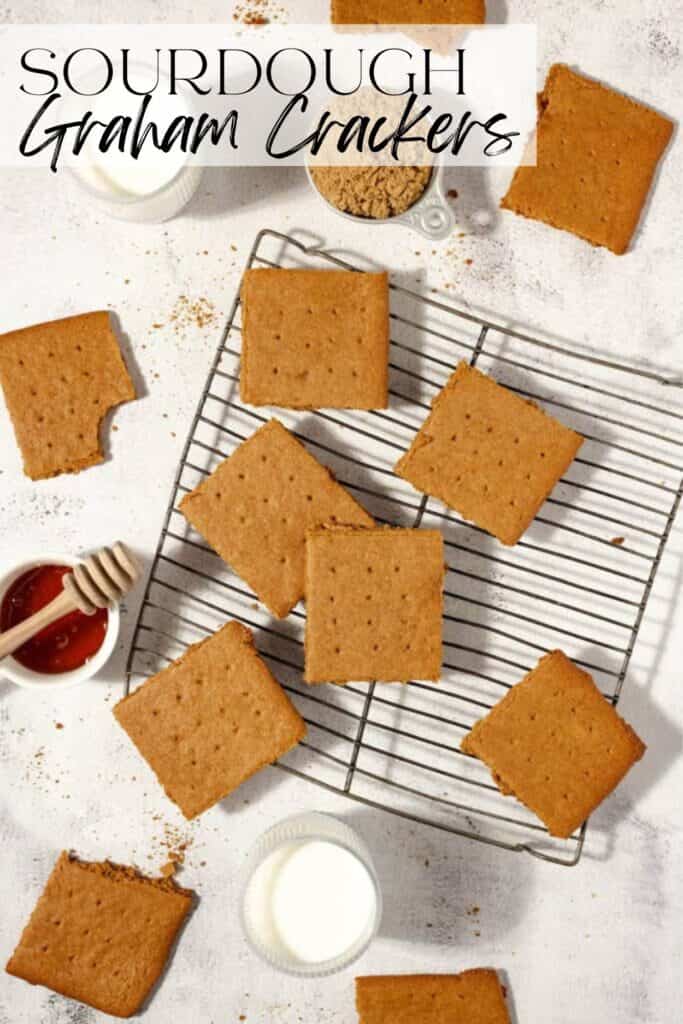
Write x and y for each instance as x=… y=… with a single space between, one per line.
x=155 y=186
x=311 y=902
x=145 y=191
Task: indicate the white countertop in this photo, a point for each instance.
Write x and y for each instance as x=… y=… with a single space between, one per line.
x=597 y=943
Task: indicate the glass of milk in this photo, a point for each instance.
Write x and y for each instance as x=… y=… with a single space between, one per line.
x=155 y=186
x=142 y=191
x=311 y=902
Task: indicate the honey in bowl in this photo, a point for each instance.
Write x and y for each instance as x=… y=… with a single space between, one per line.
x=65 y=645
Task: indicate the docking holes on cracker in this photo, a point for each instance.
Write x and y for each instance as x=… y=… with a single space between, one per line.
x=60 y=379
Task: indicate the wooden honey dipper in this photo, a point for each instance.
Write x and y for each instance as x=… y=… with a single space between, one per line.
x=98 y=582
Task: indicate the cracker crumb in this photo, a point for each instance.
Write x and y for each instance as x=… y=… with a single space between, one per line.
x=258 y=12
x=188 y=313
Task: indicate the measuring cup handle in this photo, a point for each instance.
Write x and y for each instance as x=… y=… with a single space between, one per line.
x=432 y=217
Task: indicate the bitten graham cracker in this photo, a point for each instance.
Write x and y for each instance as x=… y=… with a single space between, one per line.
x=373 y=604
x=556 y=743
x=100 y=933
x=489 y=454
x=315 y=338
x=596 y=155
x=408 y=12
x=255 y=508
x=60 y=379
x=211 y=720
x=472 y=997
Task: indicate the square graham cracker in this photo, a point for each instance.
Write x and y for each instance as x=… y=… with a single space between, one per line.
x=472 y=997
x=556 y=744
x=211 y=719
x=100 y=933
x=255 y=508
x=374 y=600
x=596 y=156
x=489 y=454
x=315 y=338
x=60 y=379
x=407 y=12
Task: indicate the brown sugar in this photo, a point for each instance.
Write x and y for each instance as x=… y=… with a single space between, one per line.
x=374 y=192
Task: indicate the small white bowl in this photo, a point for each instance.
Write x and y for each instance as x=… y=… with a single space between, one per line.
x=22 y=676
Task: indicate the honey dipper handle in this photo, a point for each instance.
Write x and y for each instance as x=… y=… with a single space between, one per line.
x=13 y=638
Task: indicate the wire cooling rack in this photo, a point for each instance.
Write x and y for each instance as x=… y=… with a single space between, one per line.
x=580 y=578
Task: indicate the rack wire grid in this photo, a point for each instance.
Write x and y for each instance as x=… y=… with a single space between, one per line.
x=579 y=579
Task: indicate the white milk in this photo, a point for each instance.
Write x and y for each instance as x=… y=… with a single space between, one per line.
x=153 y=187
x=310 y=902
x=120 y=176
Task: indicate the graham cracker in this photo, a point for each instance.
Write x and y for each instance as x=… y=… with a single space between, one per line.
x=489 y=454
x=60 y=379
x=597 y=152
x=556 y=744
x=472 y=997
x=255 y=508
x=407 y=12
x=211 y=720
x=373 y=604
x=100 y=933
x=314 y=338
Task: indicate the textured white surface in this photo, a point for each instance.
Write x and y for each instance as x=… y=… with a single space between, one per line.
x=599 y=943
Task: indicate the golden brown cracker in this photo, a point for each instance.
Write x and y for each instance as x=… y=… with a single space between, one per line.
x=60 y=379
x=408 y=12
x=315 y=338
x=489 y=454
x=211 y=720
x=101 y=934
x=472 y=997
x=556 y=744
x=255 y=508
x=596 y=155
x=373 y=604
